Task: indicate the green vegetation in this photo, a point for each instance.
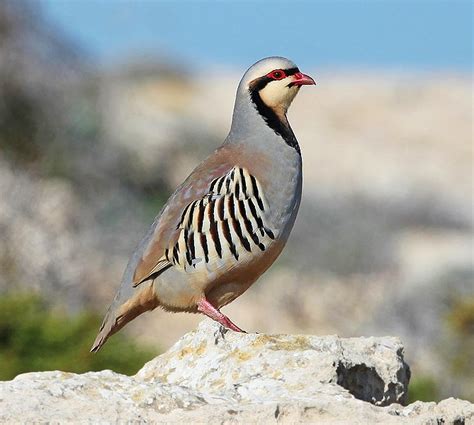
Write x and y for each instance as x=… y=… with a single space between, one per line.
x=460 y=323
x=456 y=348
x=34 y=337
x=423 y=388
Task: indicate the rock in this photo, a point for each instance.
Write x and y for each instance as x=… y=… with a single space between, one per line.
x=217 y=376
x=250 y=367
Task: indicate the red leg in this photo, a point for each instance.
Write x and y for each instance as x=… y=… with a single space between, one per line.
x=205 y=307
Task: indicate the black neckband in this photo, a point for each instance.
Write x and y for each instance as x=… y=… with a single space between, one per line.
x=281 y=128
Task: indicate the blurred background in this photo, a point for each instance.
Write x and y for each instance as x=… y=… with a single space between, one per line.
x=106 y=106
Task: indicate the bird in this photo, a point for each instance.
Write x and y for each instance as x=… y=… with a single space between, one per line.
x=230 y=219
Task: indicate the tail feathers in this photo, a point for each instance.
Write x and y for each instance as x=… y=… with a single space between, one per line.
x=107 y=329
x=117 y=318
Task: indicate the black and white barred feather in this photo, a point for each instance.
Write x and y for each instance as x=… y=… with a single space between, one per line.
x=224 y=226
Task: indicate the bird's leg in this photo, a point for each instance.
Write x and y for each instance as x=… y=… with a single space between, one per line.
x=205 y=307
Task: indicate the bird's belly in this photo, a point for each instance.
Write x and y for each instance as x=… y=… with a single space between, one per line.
x=175 y=291
x=179 y=290
x=231 y=285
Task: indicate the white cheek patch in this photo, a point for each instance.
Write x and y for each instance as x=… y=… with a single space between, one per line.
x=276 y=94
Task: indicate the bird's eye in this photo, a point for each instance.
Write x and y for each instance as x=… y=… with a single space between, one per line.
x=278 y=74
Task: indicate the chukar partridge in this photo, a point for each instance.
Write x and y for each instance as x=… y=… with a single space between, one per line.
x=230 y=219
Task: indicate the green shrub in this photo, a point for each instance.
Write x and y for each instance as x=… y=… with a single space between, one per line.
x=34 y=337
x=459 y=348
x=423 y=388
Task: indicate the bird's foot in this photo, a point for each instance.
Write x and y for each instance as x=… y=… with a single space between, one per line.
x=205 y=307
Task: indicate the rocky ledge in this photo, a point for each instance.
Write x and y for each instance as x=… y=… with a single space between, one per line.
x=213 y=376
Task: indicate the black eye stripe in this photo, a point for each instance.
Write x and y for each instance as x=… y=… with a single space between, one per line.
x=260 y=83
x=287 y=72
x=291 y=71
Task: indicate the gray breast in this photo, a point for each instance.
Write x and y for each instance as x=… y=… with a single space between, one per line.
x=283 y=191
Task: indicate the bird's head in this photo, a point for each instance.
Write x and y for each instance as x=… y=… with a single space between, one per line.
x=274 y=81
x=263 y=98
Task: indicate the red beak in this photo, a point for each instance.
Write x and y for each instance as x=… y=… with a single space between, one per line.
x=301 y=79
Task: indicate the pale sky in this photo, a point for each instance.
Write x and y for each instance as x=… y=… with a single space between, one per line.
x=398 y=35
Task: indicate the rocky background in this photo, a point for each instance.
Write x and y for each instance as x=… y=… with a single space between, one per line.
x=383 y=244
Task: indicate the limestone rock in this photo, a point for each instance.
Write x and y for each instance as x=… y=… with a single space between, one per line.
x=249 y=367
x=215 y=376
